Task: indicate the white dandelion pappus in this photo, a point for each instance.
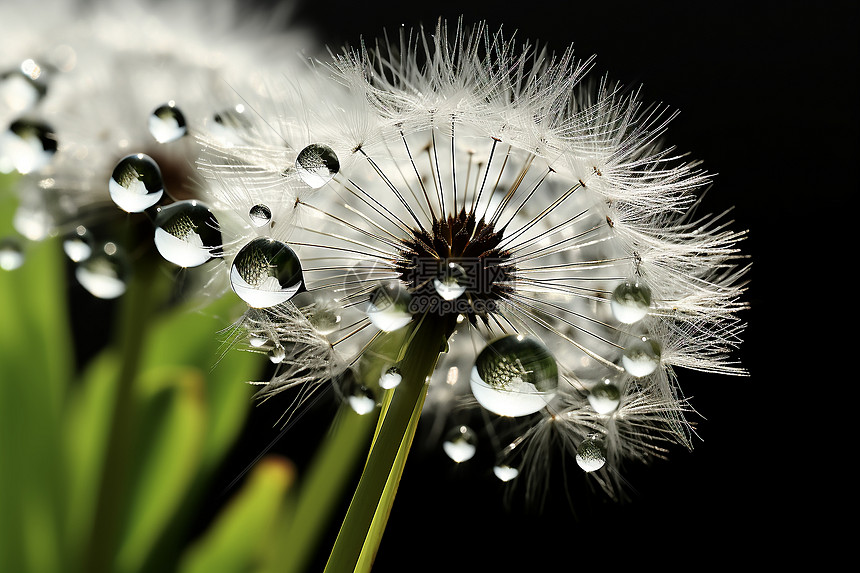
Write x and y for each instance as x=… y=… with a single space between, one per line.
x=147 y=75
x=539 y=227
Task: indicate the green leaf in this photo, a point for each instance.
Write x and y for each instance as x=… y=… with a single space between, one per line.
x=169 y=431
x=240 y=536
x=35 y=369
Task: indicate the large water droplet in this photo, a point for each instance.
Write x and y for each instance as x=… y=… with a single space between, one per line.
x=505 y=473
x=514 y=376
x=460 y=444
x=388 y=308
x=590 y=455
x=20 y=91
x=605 y=397
x=265 y=273
x=105 y=272
x=451 y=282
x=136 y=183
x=26 y=146
x=11 y=254
x=186 y=233
x=390 y=378
x=167 y=123
x=260 y=215
x=317 y=164
x=78 y=245
x=631 y=301
x=641 y=357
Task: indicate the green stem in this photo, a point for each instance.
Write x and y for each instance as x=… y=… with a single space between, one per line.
x=138 y=307
x=392 y=440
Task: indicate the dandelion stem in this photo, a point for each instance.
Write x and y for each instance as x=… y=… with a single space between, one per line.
x=372 y=499
x=138 y=306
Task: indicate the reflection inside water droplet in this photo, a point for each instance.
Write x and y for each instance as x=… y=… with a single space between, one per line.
x=590 y=455
x=166 y=123
x=641 y=357
x=452 y=281
x=631 y=301
x=260 y=215
x=186 y=233
x=136 y=183
x=317 y=164
x=105 y=273
x=265 y=273
x=514 y=375
x=78 y=245
x=460 y=444
x=26 y=146
x=388 y=308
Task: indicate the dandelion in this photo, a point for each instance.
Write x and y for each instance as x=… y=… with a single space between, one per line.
x=475 y=226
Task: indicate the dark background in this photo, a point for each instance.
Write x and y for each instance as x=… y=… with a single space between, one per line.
x=768 y=96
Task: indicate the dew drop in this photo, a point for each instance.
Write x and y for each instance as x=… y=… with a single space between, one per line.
x=605 y=397
x=460 y=444
x=260 y=215
x=631 y=301
x=514 y=376
x=257 y=341
x=325 y=316
x=186 y=233
x=11 y=254
x=265 y=273
x=227 y=126
x=452 y=281
x=78 y=245
x=136 y=183
x=26 y=146
x=505 y=473
x=388 y=308
x=317 y=164
x=641 y=357
x=391 y=378
x=277 y=354
x=590 y=455
x=105 y=272
x=167 y=123
x=20 y=91
x=359 y=397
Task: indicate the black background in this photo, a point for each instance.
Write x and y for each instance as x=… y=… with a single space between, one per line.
x=768 y=101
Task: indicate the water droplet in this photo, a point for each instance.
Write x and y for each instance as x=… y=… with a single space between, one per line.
x=514 y=376
x=390 y=378
x=257 y=341
x=631 y=301
x=325 y=316
x=136 y=183
x=78 y=245
x=452 y=281
x=359 y=397
x=317 y=164
x=167 y=123
x=265 y=273
x=460 y=444
x=277 y=354
x=104 y=273
x=260 y=215
x=505 y=473
x=20 y=91
x=605 y=397
x=26 y=146
x=388 y=308
x=11 y=254
x=186 y=233
x=641 y=357
x=590 y=455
